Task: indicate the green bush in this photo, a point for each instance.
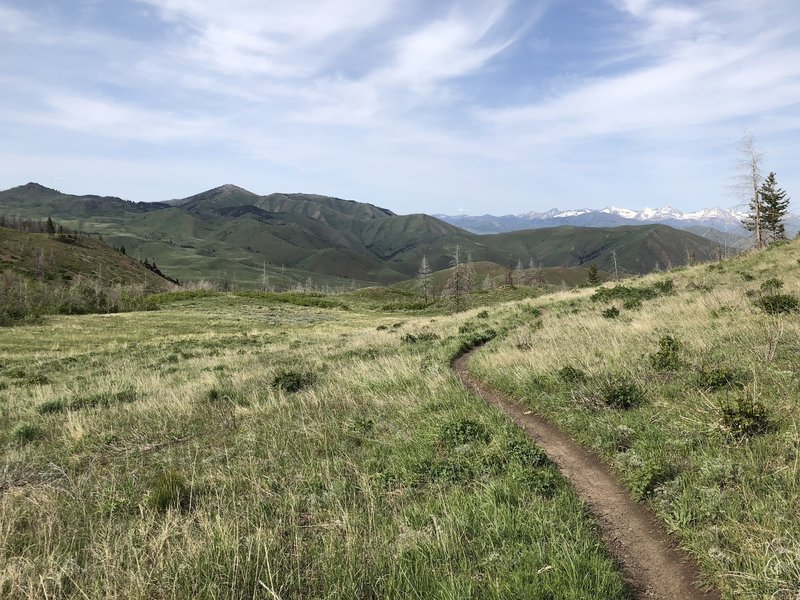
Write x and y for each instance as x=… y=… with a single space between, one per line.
x=744 y=417
x=771 y=286
x=664 y=287
x=571 y=375
x=621 y=392
x=526 y=453
x=423 y=336
x=775 y=304
x=612 y=312
x=644 y=480
x=463 y=431
x=473 y=340
x=667 y=358
x=292 y=381
x=484 y=314
x=718 y=378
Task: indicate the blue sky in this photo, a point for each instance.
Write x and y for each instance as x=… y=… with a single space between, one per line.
x=476 y=106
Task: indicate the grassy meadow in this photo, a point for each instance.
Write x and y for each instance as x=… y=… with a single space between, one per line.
x=688 y=384
x=249 y=446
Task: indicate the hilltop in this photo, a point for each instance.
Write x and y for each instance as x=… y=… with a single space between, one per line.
x=232 y=232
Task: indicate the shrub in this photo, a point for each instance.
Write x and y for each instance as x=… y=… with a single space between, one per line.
x=530 y=310
x=624 y=293
x=571 y=375
x=771 y=286
x=467 y=327
x=621 y=392
x=665 y=287
x=667 y=358
x=717 y=378
x=526 y=453
x=775 y=304
x=464 y=431
x=423 y=336
x=484 y=314
x=24 y=433
x=292 y=381
x=170 y=490
x=744 y=417
x=381 y=328
x=650 y=476
x=612 y=312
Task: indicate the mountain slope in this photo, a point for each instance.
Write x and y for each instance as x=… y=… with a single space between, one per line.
x=234 y=233
x=67 y=258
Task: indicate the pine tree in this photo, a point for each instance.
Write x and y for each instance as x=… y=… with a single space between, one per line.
x=775 y=205
x=424 y=279
x=50 y=227
x=593 y=276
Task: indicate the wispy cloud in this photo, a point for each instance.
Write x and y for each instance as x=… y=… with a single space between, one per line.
x=418 y=103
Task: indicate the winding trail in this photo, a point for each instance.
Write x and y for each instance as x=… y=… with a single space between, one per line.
x=653 y=565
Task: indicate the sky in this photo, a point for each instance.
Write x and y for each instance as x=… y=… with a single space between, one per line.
x=436 y=106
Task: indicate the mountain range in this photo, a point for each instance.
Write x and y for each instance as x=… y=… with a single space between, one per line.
x=717 y=224
x=234 y=233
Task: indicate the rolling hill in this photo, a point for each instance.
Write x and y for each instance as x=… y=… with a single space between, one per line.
x=234 y=233
x=71 y=257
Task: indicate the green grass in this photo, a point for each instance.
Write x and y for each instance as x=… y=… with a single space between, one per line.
x=705 y=426
x=173 y=461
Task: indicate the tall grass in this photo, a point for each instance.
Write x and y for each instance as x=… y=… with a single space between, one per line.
x=712 y=441
x=195 y=474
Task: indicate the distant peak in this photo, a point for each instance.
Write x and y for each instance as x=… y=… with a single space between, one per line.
x=33 y=186
x=229 y=187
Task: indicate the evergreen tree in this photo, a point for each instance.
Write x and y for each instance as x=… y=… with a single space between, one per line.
x=774 y=206
x=424 y=279
x=593 y=276
x=50 y=227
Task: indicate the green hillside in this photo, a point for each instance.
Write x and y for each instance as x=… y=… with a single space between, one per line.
x=71 y=257
x=231 y=233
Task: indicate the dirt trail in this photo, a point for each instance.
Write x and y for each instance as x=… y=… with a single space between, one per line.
x=654 y=566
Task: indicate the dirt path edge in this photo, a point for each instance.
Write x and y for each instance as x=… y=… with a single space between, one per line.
x=654 y=566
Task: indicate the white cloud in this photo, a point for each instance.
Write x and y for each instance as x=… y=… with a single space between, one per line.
x=114 y=119
x=281 y=38
x=692 y=82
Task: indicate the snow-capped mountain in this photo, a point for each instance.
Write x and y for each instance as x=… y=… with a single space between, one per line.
x=713 y=221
